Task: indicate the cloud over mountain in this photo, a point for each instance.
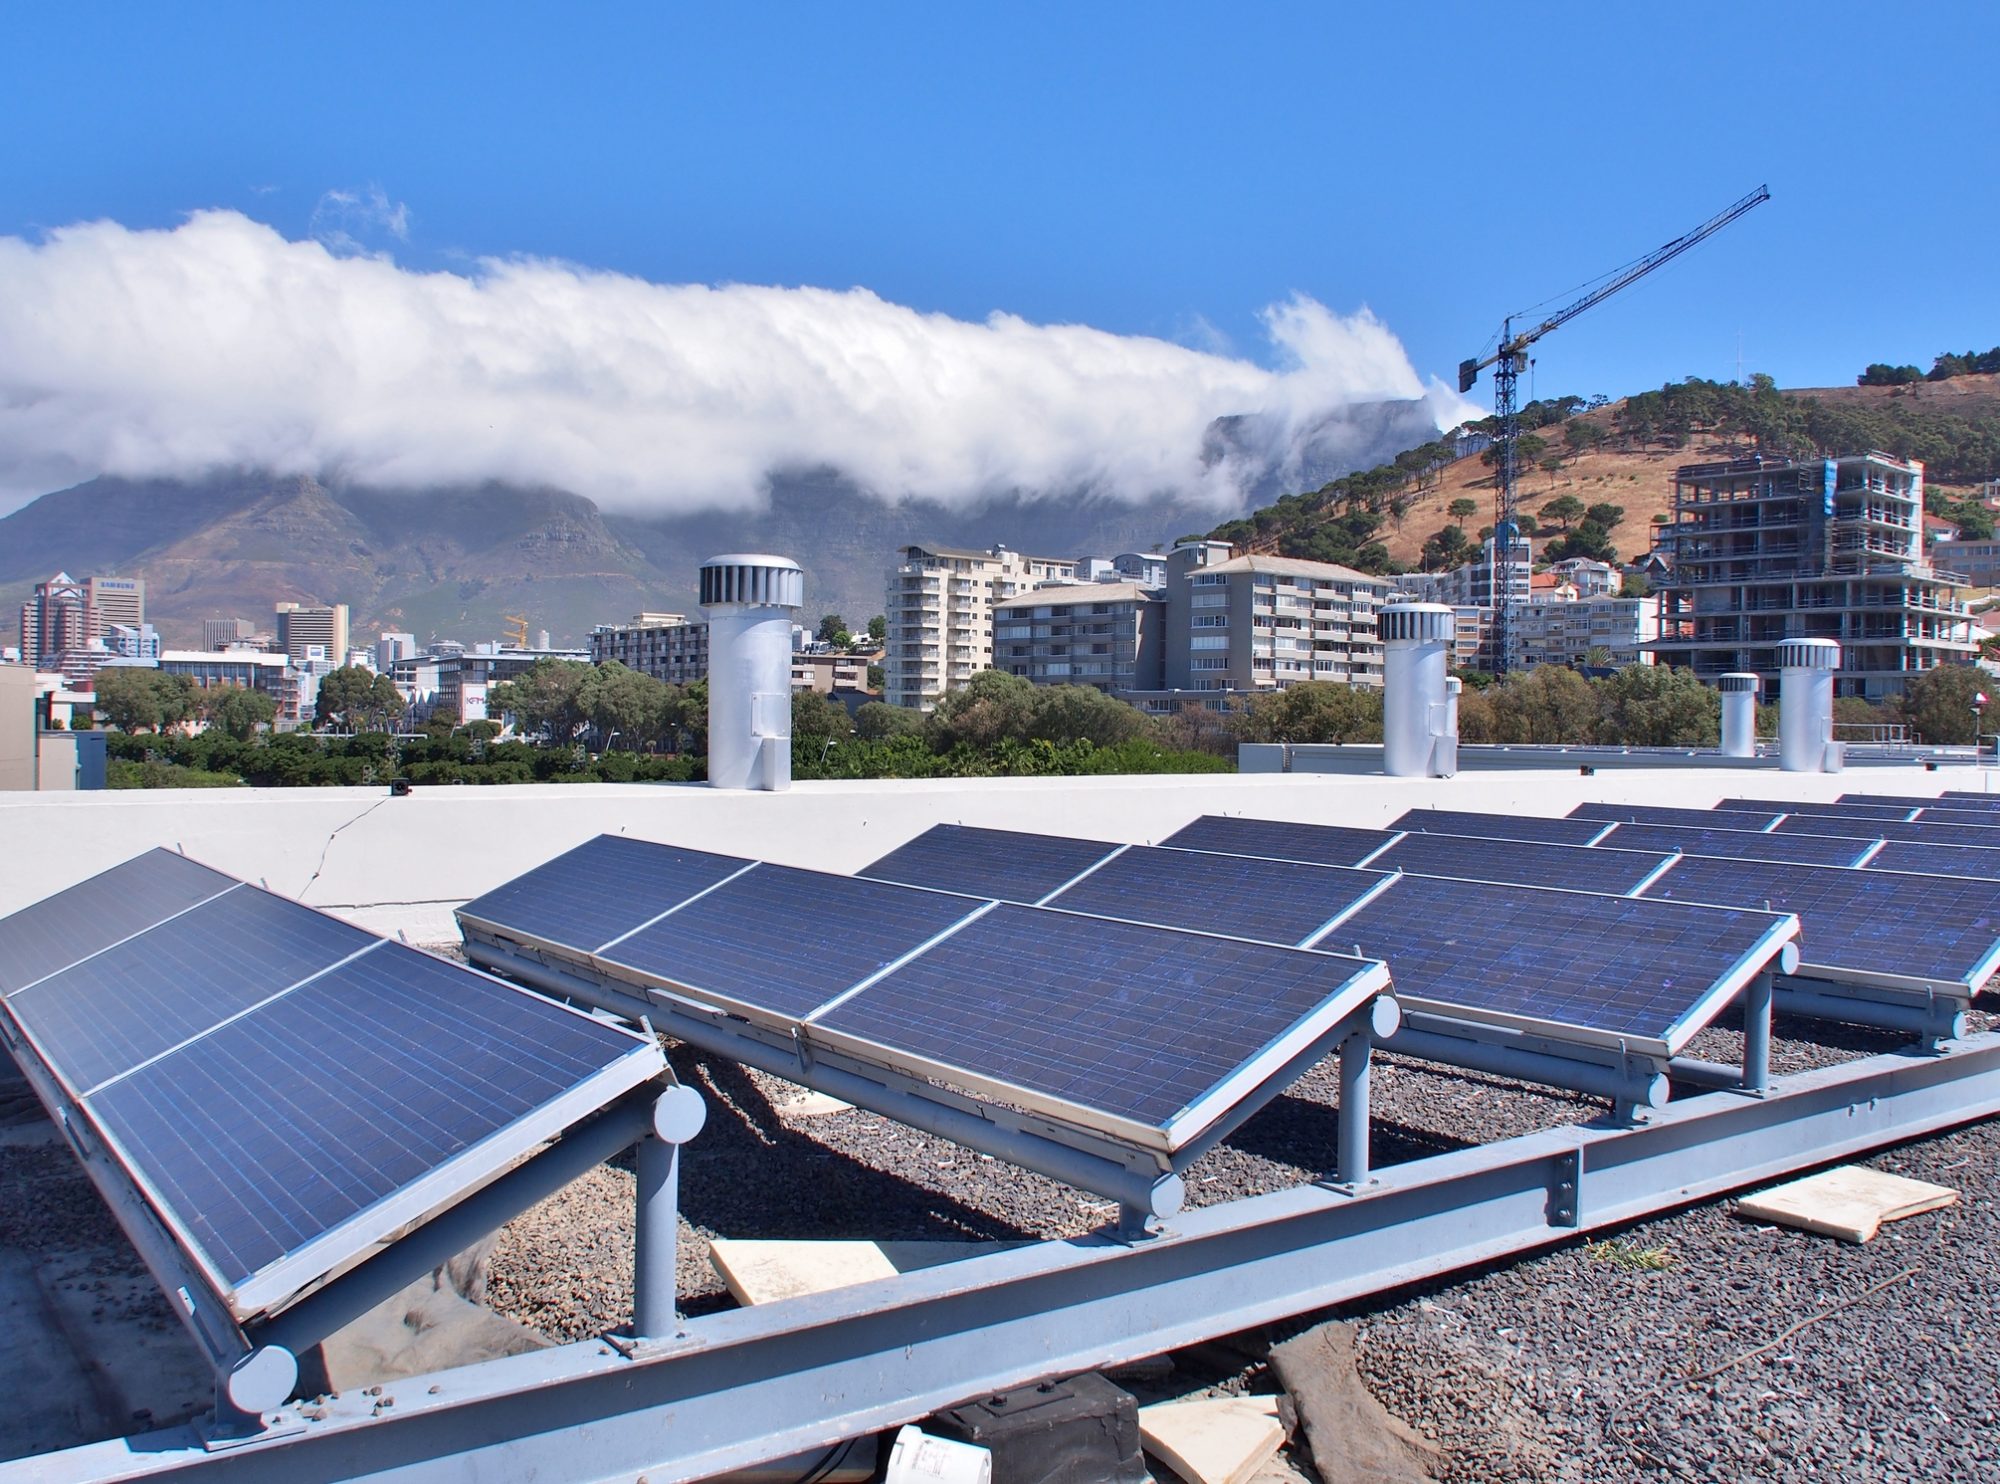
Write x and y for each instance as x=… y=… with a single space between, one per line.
x=219 y=343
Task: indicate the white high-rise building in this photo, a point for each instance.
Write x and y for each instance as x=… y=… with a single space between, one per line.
x=939 y=610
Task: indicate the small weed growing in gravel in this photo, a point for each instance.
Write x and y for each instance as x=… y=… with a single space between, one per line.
x=1626 y=1255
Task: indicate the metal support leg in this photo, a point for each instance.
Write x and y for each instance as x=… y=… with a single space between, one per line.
x=1352 y=1155
x=1757 y=1035
x=677 y=1117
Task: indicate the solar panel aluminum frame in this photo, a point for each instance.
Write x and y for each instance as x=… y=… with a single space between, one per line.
x=1201 y=1122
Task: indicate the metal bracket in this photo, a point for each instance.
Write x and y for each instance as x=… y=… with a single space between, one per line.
x=1565 y=1204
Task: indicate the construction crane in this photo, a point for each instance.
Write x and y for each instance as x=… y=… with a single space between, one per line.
x=1509 y=356
x=517 y=630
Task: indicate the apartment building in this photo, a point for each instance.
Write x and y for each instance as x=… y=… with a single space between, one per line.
x=828 y=672
x=220 y=633
x=666 y=646
x=1564 y=627
x=303 y=626
x=939 y=610
x=1241 y=625
x=1767 y=549
x=1107 y=635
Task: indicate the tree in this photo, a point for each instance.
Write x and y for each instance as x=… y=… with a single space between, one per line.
x=1313 y=711
x=1581 y=435
x=1445 y=548
x=876 y=678
x=1565 y=510
x=876 y=721
x=1545 y=704
x=878 y=628
x=992 y=706
x=816 y=720
x=829 y=625
x=547 y=698
x=1938 y=703
x=1635 y=585
x=1552 y=466
x=359 y=699
x=237 y=711
x=1082 y=713
x=624 y=705
x=1658 y=706
x=1606 y=515
x=137 y=698
x=1462 y=510
x=1880 y=374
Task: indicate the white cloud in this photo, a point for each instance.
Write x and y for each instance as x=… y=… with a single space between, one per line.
x=344 y=221
x=219 y=343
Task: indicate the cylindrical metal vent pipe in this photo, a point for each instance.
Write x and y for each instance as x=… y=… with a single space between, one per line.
x=1739 y=714
x=1805 y=705
x=1414 y=641
x=750 y=602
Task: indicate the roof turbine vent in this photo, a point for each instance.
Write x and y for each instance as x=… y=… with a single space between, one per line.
x=750 y=602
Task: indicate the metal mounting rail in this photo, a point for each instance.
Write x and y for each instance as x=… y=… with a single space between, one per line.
x=742 y=1387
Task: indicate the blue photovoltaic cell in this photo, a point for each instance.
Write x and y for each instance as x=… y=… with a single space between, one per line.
x=1003 y=864
x=1249 y=897
x=1936 y=815
x=1933 y=860
x=786 y=941
x=1868 y=921
x=1320 y=844
x=1520 y=862
x=276 y=1128
x=1607 y=964
x=152 y=992
x=1831 y=811
x=1986 y=836
x=71 y=925
x=1920 y=801
x=1959 y=798
x=1136 y=1022
x=607 y=886
x=1500 y=826
x=1699 y=819
x=1749 y=845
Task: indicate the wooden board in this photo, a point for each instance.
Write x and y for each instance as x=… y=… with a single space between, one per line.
x=1850 y=1203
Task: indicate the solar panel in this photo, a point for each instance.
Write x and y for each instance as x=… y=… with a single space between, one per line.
x=1875 y=922
x=1962 y=797
x=1933 y=860
x=192 y=972
x=781 y=942
x=1987 y=836
x=1320 y=844
x=92 y=915
x=1151 y=1033
x=1005 y=864
x=605 y=887
x=1520 y=862
x=299 y=1120
x=1919 y=801
x=1838 y=810
x=1751 y=845
x=1247 y=896
x=1606 y=966
x=1934 y=814
x=1500 y=826
x=1700 y=819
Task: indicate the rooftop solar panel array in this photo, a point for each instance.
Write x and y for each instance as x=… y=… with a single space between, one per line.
x=1520 y=862
x=1576 y=831
x=1800 y=850
x=1958 y=798
x=914 y=977
x=1933 y=860
x=1245 y=896
x=273 y=1082
x=1700 y=819
x=1321 y=844
x=1846 y=811
x=1920 y=801
x=1880 y=922
x=1985 y=836
x=601 y=890
x=1009 y=865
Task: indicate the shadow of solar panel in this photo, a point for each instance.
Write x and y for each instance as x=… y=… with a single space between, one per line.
x=1574 y=831
x=588 y=896
x=1877 y=922
x=1111 y=1022
x=298 y=1120
x=1933 y=860
x=1833 y=811
x=1749 y=845
x=1609 y=966
x=783 y=942
x=1245 y=896
x=1520 y=862
x=1700 y=819
x=92 y=915
x=1986 y=837
x=1006 y=865
x=1279 y=839
x=192 y=972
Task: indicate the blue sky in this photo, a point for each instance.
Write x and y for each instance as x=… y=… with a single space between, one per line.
x=1162 y=171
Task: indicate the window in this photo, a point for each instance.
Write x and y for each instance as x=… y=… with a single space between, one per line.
x=1210 y=579
x=1209 y=641
x=1209 y=662
x=1211 y=620
x=1211 y=600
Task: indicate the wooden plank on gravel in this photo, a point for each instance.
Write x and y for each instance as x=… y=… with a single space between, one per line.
x=761 y=1272
x=1214 y=1440
x=1850 y=1203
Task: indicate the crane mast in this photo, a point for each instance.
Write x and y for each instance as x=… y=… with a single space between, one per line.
x=1507 y=361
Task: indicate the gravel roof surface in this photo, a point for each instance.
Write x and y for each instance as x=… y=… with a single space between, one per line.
x=1590 y=1362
